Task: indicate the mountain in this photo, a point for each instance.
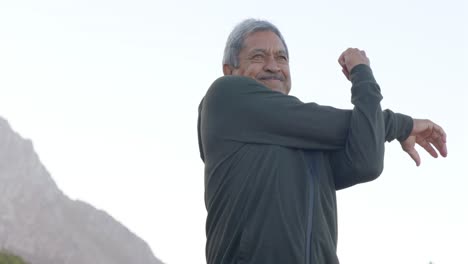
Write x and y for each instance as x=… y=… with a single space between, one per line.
x=42 y=225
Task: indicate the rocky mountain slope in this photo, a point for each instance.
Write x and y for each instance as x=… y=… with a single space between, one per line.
x=43 y=226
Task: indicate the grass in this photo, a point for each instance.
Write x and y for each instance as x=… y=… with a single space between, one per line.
x=8 y=258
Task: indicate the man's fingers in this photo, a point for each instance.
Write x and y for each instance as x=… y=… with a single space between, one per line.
x=438 y=132
x=438 y=138
x=428 y=147
x=440 y=145
x=442 y=149
x=442 y=133
x=345 y=72
x=341 y=60
x=414 y=155
x=430 y=135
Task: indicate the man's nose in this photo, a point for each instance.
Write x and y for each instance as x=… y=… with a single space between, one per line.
x=271 y=65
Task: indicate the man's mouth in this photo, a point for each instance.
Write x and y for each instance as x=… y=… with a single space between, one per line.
x=271 y=78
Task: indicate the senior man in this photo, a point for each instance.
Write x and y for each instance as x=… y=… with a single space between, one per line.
x=274 y=163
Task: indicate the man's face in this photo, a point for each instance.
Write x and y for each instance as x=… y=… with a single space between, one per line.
x=264 y=59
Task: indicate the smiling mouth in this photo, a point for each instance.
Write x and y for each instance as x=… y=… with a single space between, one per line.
x=271 y=79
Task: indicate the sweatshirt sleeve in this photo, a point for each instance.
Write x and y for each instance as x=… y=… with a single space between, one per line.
x=361 y=160
x=345 y=166
x=241 y=109
x=397 y=126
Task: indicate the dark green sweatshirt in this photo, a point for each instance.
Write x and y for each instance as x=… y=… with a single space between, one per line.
x=274 y=163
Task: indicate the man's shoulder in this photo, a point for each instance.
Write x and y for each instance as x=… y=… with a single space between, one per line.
x=232 y=83
x=232 y=92
x=234 y=79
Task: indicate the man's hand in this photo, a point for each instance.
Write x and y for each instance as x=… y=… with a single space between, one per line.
x=350 y=58
x=428 y=135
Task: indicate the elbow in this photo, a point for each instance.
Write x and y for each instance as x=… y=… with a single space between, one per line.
x=358 y=174
x=361 y=167
x=369 y=171
x=369 y=166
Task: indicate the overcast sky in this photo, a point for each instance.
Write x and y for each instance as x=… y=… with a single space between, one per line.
x=108 y=92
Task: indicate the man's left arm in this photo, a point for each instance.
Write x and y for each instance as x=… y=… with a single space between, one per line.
x=350 y=165
x=361 y=159
x=423 y=132
x=343 y=162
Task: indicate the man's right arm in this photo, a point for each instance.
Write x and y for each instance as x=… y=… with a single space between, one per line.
x=241 y=109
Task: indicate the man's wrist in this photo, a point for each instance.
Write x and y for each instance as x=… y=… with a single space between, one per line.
x=406 y=124
x=361 y=73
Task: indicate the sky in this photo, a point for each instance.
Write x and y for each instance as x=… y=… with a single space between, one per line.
x=108 y=92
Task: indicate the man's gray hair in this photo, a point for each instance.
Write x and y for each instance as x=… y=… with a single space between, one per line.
x=236 y=39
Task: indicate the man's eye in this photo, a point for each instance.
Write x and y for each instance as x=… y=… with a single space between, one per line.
x=257 y=57
x=283 y=58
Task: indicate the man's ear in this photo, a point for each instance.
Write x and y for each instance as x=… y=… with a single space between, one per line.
x=227 y=69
